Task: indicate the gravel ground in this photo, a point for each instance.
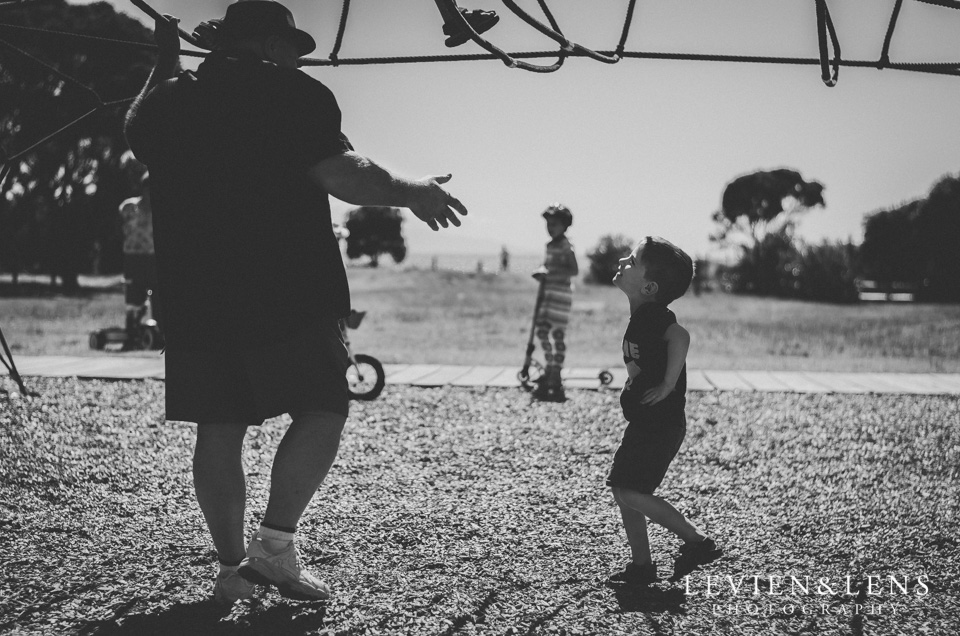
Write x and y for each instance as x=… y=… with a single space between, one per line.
x=475 y=511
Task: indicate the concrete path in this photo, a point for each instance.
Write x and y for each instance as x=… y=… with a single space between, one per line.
x=434 y=375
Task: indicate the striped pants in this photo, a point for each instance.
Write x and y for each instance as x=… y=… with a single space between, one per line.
x=551 y=327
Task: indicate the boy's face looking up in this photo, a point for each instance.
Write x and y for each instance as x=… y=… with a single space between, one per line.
x=631 y=278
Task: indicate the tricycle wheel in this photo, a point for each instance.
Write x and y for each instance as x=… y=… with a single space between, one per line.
x=97 y=340
x=365 y=379
x=149 y=338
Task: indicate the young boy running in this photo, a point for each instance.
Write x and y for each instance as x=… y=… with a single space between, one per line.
x=654 y=349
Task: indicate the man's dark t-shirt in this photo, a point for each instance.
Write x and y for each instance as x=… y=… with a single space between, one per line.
x=246 y=252
x=645 y=354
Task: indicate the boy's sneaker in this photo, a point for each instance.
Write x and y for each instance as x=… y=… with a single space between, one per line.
x=634 y=574
x=549 y=392
x=542 y=391
x=231 y=587
x=282 y=570
x=700 y=552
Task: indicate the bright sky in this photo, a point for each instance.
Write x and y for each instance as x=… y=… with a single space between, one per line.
x=640 y=147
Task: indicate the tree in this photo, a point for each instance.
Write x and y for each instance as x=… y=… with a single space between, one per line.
x=917 y=242
x=375 y=230
x=605 y=257
x=938 y=232
x=754 y=221
x=891 y=246
x=59 y=201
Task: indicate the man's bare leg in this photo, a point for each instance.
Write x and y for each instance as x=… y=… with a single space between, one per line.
x=220 y=485
x=303 y=459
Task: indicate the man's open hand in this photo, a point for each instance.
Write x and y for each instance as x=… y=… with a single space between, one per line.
x=435 y=206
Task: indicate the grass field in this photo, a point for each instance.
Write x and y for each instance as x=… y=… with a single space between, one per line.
x=478 y=511
x=477 y=319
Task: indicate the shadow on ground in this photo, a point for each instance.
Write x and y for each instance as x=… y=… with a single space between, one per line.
x=206 y=618
x=641 y=598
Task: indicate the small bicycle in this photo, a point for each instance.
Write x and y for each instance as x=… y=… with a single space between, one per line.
x=365 y=376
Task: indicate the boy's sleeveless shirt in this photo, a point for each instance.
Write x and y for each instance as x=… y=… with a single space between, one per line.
x=645 y=356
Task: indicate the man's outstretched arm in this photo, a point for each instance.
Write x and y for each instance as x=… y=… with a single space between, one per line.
x=355 y=179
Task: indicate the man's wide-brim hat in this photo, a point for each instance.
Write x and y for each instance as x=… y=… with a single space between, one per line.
x=251 y=18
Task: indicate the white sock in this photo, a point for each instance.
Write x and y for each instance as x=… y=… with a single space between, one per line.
x=274 y=540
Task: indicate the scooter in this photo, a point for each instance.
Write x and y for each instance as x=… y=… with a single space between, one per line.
x=365 y=375
x=144 y=333
x=532 y=370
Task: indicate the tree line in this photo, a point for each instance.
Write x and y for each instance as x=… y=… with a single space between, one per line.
x=915 y=244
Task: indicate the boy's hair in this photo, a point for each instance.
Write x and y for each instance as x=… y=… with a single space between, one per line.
x=668 y=266
x=561 y=212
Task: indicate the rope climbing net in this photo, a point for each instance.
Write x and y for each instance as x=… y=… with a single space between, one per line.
x=829 y=60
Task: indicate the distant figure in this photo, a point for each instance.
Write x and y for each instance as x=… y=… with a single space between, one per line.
x=559 y=266
x=654 y=349
x=504 y=259
x=139 y=260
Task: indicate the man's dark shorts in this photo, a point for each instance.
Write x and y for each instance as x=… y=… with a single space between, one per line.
x=306 y=373
x=646 y=450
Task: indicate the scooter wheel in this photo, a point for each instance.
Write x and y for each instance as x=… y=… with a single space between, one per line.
x=524 y=379
x=365 y=379
x=530 y=375
x=605 y=377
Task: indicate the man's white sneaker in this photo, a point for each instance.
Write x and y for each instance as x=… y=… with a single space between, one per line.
x=231 y=587
x=282 y=570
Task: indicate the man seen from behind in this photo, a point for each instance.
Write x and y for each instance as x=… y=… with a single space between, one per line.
x=243 y=154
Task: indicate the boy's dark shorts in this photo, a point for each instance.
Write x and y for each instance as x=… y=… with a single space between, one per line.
x=306 y=373
x=646 y=450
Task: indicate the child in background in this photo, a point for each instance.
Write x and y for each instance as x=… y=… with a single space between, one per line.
x=553 y=314
x=139 y=260
x=654 y=350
